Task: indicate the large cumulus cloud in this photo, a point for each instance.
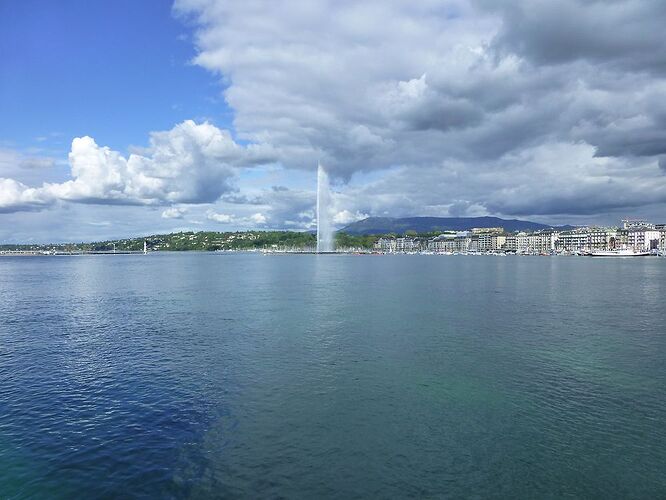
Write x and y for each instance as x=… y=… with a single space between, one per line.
x=16 y=196
x=191 y=163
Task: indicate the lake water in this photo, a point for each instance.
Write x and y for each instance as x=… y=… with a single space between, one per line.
x=304 y=376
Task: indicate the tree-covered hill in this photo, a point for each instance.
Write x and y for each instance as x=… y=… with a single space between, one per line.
x=189 y=240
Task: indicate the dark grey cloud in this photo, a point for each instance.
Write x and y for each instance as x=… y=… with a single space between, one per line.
x=459 y=208
x=625 y=34
x=639 y=142
x=586 y=200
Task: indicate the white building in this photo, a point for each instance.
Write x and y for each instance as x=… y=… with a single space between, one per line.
x=640 y=239
x=385 y=245
x=522 y=242
x=541 y=242
x=397 y=245
x=511 y=243
x=406 y=245
x=491 y=241
x=451 y=242
x=444 y=243
x=602 y=239
x=573 y=241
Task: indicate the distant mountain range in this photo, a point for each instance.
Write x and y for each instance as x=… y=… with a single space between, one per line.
x=383 y=225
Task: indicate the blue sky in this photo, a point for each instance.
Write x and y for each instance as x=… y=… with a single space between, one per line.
x=111 y=70
x=135 y=117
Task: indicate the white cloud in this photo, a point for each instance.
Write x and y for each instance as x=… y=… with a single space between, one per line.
x=346 y=217
x=191 y=163
x=258 y=218
x=174 y=213
x=15 y=196
x=221 y=218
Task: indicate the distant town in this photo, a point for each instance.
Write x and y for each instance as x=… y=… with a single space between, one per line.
x=633 y=237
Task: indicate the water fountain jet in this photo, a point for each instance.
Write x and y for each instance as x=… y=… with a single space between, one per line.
x=325 y=241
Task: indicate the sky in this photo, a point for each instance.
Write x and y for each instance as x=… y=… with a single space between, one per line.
x=130 y=118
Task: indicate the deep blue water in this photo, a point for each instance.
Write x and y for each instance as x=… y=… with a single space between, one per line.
x=239 y=375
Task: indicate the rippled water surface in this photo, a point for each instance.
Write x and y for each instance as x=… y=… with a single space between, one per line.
x=239 y=375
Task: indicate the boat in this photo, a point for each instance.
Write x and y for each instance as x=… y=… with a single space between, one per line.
x=624 y=252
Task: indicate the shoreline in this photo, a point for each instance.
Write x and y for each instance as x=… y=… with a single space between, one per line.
x=25 y=253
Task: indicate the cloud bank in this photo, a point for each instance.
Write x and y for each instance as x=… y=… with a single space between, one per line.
x=464 y=101
x=533 y=108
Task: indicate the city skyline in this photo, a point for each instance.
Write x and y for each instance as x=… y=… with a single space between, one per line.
x=206 y=115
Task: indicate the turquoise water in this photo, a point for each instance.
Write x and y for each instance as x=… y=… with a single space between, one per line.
x=239 y=375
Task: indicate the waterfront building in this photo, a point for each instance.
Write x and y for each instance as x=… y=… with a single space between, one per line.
x=472 y=242
x=444 y=243
x=522 y=242
x=385 y=245
x=640 y=239
x=393 y=245
x=490 y=241
x=573 y=241
x=407 y=245
x=498 y=242
x=485 y=241
x=550 y=238
x=451 y=242
x=541 y=242
x=652 y=239
x=511 y=243
x=533 y=243
x=602 y=239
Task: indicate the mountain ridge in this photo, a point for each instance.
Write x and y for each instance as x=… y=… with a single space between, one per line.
x=383 y=225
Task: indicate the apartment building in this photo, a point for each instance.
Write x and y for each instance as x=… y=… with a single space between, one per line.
x=572 y=241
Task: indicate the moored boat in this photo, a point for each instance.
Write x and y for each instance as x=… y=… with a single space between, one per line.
x=624 y=252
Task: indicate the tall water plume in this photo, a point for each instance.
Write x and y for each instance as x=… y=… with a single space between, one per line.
x=324 y=226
